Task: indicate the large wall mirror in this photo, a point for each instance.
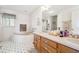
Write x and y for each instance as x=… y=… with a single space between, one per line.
x=63 y=17
x=54 y=22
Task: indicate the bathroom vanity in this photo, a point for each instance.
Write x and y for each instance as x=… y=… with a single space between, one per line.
x=45 y=43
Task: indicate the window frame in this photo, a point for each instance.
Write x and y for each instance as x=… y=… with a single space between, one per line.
x=10 y=15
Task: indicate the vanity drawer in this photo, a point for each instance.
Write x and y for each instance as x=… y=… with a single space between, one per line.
x=49 y=42
x=65 y=49
x=48 y=48
x=43 y=50
x=44 y=40
x=52 y=44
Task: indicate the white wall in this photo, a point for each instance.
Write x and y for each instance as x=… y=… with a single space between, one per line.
x=20 y=19
x=64 y=15
x=1 y=32
x=36 y=18
x=70 y=14
x=75 y=22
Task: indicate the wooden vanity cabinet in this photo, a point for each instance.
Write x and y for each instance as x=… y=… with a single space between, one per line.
x=48 y=45
x=37 y=42
x=44 y=45
x=65 y=49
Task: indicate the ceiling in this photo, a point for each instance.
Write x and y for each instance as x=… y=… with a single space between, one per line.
x=21 y=8
x=30 y=8
x=57 y=8
x=61 y=7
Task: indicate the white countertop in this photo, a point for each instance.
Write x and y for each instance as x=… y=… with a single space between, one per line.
x=70 y=42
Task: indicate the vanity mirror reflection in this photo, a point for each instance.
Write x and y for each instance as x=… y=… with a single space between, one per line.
x=63 y=17
x=49 y=22
x=54 y=22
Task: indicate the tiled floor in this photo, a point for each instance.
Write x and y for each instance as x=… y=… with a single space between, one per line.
x=18 y=44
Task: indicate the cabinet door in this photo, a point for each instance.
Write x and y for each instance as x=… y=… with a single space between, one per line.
x=37 y=42
x=49 y=42
x=65 y=49
x=46 y=45
x=52 y=44
x=48 y=48
x=43 y=50
x=38 y=45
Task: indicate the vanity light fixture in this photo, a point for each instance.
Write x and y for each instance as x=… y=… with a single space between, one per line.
x=50 y=12
x=45 y=7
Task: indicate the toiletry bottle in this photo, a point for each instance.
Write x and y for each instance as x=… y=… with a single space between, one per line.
x=61 y=33
x=66 y=33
